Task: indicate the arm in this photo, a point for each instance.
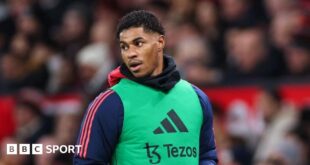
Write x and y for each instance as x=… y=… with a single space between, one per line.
x=207 y=155
x=100 y=130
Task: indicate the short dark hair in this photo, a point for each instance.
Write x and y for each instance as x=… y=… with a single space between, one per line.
x=140 y=18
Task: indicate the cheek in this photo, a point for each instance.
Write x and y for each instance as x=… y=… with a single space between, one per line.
x=124 y=58
x=151 y=55
x=151 y=59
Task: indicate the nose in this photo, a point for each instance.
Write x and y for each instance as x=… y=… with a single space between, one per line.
x=132 y=53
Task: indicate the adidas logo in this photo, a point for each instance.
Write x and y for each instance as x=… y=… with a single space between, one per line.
x=168 y=126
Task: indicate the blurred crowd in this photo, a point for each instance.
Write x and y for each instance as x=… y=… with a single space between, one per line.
x=271 y=132
x=55 y=47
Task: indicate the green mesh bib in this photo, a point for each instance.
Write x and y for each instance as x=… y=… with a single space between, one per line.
x=158 y=128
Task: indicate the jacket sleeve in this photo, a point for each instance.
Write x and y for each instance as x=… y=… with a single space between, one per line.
x=207 y=155
x=100 y=130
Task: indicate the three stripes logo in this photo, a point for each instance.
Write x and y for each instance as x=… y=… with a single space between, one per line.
x=168 y=126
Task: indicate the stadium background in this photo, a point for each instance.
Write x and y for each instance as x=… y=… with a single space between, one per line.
x=252 y=58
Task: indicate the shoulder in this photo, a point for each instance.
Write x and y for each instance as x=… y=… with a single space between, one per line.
x=201 y=94
x=106 y=110
x=184 y=85
x=204 y=101
x=106 y=102
x=108 y=96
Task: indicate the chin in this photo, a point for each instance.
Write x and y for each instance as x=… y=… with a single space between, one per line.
x=139 y=75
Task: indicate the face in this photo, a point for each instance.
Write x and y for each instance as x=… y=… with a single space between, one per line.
x=23 y=115
x=297 y=60
x=267 y=105
x=142 y=52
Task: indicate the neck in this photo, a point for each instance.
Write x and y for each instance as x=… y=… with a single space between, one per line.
x=160 y=67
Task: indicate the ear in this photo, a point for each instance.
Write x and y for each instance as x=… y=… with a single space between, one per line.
x=161 y=42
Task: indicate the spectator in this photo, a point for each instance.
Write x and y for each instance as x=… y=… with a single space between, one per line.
x=248 y=56
x=276 y=7
x=208 y=21
x=236 y=13
x=283 y=27
x=239 y=134
x=30 y=123
x=287 y=151
x=11 y=159
x=94 y=63
x=28 y=25
x=297 y=57
x=279 y=119
x=302 y=132
x=12 y=70
x=65 y=132
x=73 y=32
x=63 y=75
x=23 y=70
x=160 y=8
x=21 y=46
x=194 y=60
x=181 y=10
x=101 y=30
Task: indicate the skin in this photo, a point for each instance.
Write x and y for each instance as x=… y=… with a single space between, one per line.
x=142 y=51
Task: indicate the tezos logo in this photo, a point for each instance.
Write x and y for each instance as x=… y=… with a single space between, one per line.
x=171 y=151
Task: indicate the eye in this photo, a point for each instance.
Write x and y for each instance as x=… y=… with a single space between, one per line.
x=124 y=47
x=139 y=43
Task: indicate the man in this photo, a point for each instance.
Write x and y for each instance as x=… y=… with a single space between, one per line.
x=149 y=115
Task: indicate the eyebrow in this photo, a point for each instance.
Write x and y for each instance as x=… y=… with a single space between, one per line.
x=137 y=39
x=134 y=40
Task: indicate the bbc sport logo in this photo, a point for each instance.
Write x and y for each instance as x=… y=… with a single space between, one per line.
x=39 y=149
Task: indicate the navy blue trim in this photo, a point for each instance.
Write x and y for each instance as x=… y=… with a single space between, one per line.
x=207 y=155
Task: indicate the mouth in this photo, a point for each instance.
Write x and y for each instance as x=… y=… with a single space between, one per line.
x=134 y=66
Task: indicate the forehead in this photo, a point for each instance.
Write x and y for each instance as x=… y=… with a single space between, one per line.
x=133 y=33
